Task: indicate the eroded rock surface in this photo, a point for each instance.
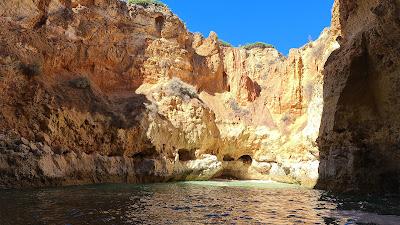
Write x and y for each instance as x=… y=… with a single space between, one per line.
x=359 y=133
x=101 y=91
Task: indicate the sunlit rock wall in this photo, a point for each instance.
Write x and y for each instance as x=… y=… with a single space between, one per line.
x=132 y=96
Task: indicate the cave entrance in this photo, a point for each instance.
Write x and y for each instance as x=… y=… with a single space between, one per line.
x=228 y=158
x=186 y=155
x=225 y=81
x=246 y=159
x=235 y=169
x=159 y=24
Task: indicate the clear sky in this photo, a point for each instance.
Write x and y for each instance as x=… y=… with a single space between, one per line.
x=284 y=23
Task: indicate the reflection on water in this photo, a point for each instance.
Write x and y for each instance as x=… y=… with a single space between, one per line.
x=239 y=202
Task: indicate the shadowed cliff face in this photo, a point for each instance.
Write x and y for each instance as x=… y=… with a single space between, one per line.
x=359 y=138
x=101 y=91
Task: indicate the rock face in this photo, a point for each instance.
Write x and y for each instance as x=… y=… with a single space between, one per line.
x=69 y=75
x=101 y=91
x=359 y=138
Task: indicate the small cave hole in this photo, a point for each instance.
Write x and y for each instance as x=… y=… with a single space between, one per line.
x=186 y=155
x=160 y=24
x=41 y=22
x=31 y=70
x=228 y=158
x=246 y=159
x=80 y=83
x=225 y=81
x=147 y=153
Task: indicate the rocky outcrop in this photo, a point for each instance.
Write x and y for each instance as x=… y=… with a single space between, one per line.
x=277 y=126
x=359 y=132
x=175 y=131
x=34 y=164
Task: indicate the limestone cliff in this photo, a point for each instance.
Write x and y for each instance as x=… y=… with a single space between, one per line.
x=69 y=75
x=101 y=91
x=360 y=122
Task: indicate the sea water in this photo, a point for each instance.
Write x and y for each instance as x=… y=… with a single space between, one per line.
x=202 y=202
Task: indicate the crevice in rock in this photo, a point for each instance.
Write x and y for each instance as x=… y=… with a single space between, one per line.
x=41 y=22
x=159 y=21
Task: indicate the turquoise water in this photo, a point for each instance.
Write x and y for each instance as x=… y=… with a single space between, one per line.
x=213 y=202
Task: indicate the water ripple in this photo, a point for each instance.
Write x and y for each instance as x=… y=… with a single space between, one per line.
x=194 y=203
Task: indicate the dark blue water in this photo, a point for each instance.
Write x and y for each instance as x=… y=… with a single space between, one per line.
x=239 y=202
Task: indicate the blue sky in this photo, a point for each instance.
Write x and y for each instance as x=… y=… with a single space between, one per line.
x=284 y=23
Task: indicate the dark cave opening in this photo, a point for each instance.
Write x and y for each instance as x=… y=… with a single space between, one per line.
x=186 y=155
x=246 y=159
x=228 y=158
x=159 y=24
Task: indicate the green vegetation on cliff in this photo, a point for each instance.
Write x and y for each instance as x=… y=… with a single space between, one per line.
x=146 y=2
x=225 y=43
x=257 y=45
